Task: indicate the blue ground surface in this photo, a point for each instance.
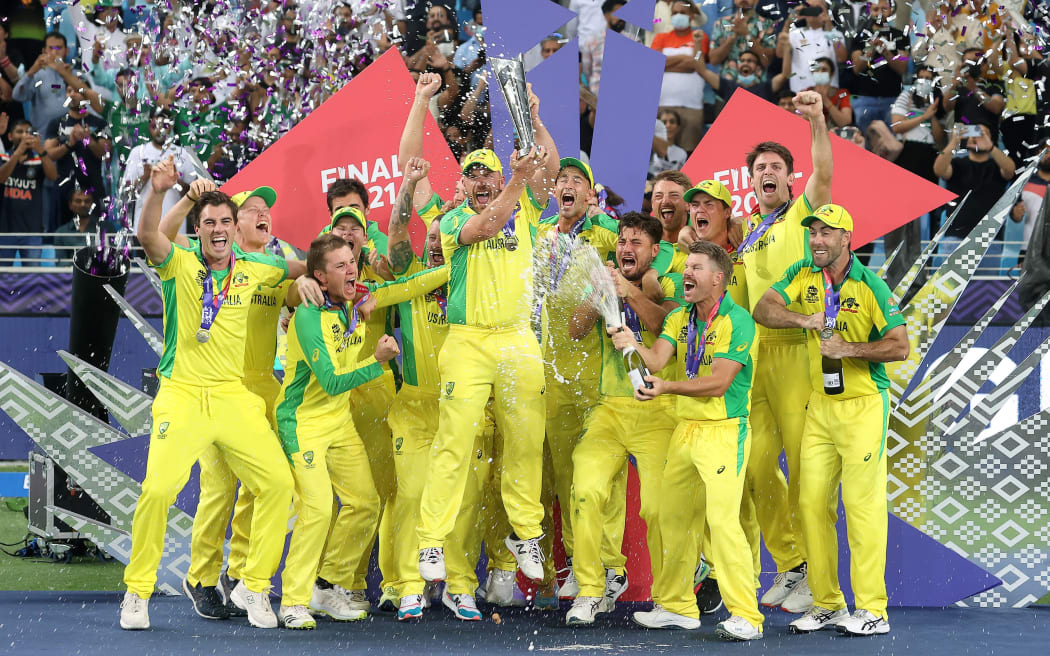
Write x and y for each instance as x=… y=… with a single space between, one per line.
x=87 y=623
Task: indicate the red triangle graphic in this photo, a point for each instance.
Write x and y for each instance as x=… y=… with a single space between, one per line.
x=354 y=134
x=878 y=194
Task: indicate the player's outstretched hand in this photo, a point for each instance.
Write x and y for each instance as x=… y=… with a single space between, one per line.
x=387 y=349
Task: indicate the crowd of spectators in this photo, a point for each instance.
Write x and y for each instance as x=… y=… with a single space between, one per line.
x=94 y=92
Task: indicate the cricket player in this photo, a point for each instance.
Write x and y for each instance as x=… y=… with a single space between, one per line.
x=317 y=431
x=619 y=426
x=202 y=395
x=849 y=316
x=712 y=341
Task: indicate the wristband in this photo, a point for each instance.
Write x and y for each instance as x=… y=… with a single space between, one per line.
x=5 y=62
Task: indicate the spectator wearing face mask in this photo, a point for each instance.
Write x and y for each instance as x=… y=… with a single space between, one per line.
x=749 y=75
x=807 y=36
x=880 y=60
x=683 y=88
x=742 y=30
x=837 y=109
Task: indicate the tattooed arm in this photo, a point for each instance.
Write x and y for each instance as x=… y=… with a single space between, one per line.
x=399 y=248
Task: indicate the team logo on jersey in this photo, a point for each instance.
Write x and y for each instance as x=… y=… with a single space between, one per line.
x=240 y=279
x=31 y=173
x=163 y=428
x=397 y=444
x=711 y=337
x=201 y=275
x=812 y=294
x=308 y=458
x=721 y=469
x=448 y=389
x=851 y=305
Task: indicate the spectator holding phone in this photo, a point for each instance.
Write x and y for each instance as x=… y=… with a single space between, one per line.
x=975 y=98
x=84 y=136
x=22 y=176
x=810 y=36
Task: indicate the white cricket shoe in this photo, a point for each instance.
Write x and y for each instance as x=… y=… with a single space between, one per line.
x=335 y=603
x=134 y=612
x=257 y=605
x=818 y=619
x=462 y=606
x=411 y=608
x=863 y=623
x=583 y=611
x=528 y=554
x=739 y=629
x=800 y=599
x=499 y=588
x=296 y=617
x=660 y=618
x=615 y=585
x=783 y=585
x=570 y=589
x=432 y=564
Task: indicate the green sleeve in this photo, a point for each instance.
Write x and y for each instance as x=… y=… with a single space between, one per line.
x=672 y=286
x=430 y=211
x=377 y=237
x=886 y=315
x=453 y=222
x=320 y=354
x=786 y=286
x=404 y=289
x=743 y=335
x=274 y=270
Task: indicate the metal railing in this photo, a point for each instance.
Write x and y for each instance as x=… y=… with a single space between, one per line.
x=55 y=250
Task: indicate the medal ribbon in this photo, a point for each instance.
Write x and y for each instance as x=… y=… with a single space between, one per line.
x=560 y=262
x=210 y=303
x=694 y=348
x=761 y=229
x=350 y=316
x=632 y=321
x=831 y=296
x=442 y=300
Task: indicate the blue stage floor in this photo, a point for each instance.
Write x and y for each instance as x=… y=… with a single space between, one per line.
x=87 y=623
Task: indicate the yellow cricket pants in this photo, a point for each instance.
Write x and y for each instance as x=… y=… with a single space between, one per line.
x=218 y=493
x=846 y=440
x=705 y=474
x=474 y=364
x=749 y=523
x=413 y=422
x=568 y=404
x=187 y=419
x=370 y=404
x=331 y=457
x=618 y=427
x=778 y=400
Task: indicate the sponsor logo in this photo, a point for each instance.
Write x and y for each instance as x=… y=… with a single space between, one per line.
x=867 y=457
x=721 y=469
x=812 y=294
x=742 y=347
x=316 y=355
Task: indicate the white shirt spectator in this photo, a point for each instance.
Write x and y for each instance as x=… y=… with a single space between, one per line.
x=905 y=106
x=590 y=26
x=808 y=45
x=682 y=89
x=148 y=153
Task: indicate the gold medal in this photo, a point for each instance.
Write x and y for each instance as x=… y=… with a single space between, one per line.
x=826 y=334
x=511 y=243
x=203 y=335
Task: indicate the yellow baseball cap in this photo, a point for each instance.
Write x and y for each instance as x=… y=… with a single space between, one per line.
x=268 y=194
x=575 y=163
x=712 y=188
x=833 y=216
x=483 y=157
x=351 y=212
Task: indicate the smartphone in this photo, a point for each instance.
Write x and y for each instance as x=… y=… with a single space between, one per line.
x=971 y=131
x=810 y=11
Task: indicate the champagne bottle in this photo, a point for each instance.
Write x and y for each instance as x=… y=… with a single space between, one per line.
x=636 y=369
x=832 y=371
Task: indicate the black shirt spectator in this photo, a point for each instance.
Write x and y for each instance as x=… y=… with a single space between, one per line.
x=983 y=172
x=81 y=165
x=880 y=80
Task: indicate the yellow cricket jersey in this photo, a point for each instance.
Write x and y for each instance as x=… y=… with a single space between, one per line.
x=669 y=259
x=867 y=312
x=324 y=364
x=431 y=210
x=260 y=345
x=424 y=328
x=732 y=336
x=571 y=359
x=222 y=358
x=737 y=287
x=491 y=282
x=766 y=260
x=614 y=380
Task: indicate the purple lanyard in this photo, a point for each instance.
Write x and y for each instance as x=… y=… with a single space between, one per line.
x=442 y=301
x=349 y=316
x=761 y=229
x=210 y=303
x=831 y=296
x=694 y=348
x=560 y=263
x=631 y=319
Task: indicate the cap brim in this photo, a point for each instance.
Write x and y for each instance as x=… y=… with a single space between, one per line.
x=575 y=163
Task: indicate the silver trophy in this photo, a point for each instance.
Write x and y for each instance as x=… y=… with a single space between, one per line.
x=510 y=74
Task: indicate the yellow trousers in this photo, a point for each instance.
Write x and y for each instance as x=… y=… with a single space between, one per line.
x=778 y=400
x=618 y=427
x=218 y=492
x=413 y=422
x=370 y=404
x=476 y=363
x=705 y=474
x=845 y=441
x=187 y=419
x=331 y=457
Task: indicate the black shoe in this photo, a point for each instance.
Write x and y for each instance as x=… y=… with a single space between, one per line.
x=206 y=601
x=226 y=586
x=708 y=599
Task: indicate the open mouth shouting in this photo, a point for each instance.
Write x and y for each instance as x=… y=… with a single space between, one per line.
x=262 y=229
x=437 y=258
x=220 y=242
x=667 y=213
x=568 y=200
x=482 y=196
x=628 y=264
x=769 y=185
